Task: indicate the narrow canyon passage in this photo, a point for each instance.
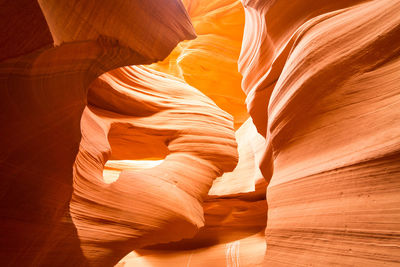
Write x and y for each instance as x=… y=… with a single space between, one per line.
x=200 y=133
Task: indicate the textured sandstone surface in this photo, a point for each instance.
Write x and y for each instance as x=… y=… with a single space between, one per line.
x=156 y=116
x=209 y=62
x=43 y=94
x=324 y=90
x=200 y=133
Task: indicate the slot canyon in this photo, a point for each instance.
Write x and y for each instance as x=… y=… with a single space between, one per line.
x=212 y=133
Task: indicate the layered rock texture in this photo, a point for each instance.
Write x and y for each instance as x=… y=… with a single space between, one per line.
x=200 y=133
x=322 y=79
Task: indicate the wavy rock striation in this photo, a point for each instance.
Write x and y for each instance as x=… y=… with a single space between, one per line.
x=108 y=162
x=155 y=116
x=209 y=62
x=235 y=217
x=43 y=94
x=322 y=84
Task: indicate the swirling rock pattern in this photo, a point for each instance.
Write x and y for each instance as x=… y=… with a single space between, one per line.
x=103 y=157
x=322 y=80
x=235 y=217
x=209 y=62
x=43 y=94
x=156 y=116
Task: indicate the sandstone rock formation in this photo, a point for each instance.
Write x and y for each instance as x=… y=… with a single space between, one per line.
x=138 y=113
x=235 y=216
x=322 y=79
x=209 y=62
x=126 y=137
x=43 y=94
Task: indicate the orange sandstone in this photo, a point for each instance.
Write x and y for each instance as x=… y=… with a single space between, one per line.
x=106 y=161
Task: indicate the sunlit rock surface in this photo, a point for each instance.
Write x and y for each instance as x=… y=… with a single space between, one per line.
x=209 y=62
x=235 y=218
x=322 y=79
x=248 y=251
x=126 y=137
x=156 y=116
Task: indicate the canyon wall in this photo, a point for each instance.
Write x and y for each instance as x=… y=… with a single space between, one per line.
x=43 y=95
x=197 y=132
x=322 y=85
x=235 y=208
x=137 y=113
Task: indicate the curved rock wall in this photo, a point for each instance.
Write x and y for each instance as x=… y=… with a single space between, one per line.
x=106 y=161
x=209 y=62
x=322 y=80
x=156 y=116
x=43 y=94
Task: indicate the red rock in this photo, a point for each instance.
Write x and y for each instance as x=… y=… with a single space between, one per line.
x=43 y=95
x=324 y=92
x=106 y=161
